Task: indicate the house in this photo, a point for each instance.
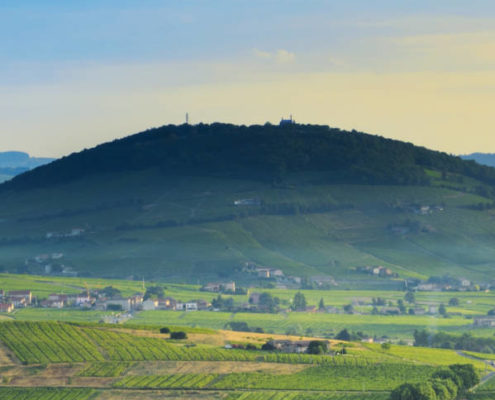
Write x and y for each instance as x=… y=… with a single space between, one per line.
x=311 y=309
x=263 y=272
x=168 y=303
x=292 y=346
x=484 y=322
x=58 y=297
x=18 y=295
x=465 y=283
x=289 y=121
x=276 y=273
x=203 y=304
x=6 y=307
x=322 y=280
x=136 y=301
x=149 y=304
x=247 y=202
x=254 y=298
x=219 y=287
x=82 y=298
x=122 y=304
x=419 y=311
x=189 y=306
x=428 y=287
x=211 y=287
x=52 y=303
x=432 y=309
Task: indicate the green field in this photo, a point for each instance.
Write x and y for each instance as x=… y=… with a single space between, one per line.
x=118 y=363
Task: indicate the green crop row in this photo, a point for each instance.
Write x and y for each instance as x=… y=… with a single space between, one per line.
x=45 y=394
x=281 y=395
x=105 y=369
x=45 y=342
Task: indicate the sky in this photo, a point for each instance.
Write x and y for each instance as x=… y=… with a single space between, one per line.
x=74 y=74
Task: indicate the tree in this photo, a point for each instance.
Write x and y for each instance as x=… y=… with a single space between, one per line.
x=299 y=302
x=422 y=338
x=448 y=374
x=267 y=302
x=343 y=335
x=402 y=307
x=239 y=326
x=348 y=308
x=110 y=292
x=268 y=346
x=442 y=310
x=414 y=391
x=467 y=374
x=410 y=298
x=454 y=302
x=317 y=347
x=164 y=330
x=321 y=305
x=154 y=292
x=178 y=335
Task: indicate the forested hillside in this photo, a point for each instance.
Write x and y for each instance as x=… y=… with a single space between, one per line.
x=258 y=152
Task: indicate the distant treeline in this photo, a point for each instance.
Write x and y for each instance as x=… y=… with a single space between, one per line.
x=269 y=209
x=264 y=152
x=444 y=340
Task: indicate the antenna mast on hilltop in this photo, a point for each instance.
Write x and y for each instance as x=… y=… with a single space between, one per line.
x=187 y=118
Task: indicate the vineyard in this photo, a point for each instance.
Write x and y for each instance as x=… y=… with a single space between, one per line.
x=52 y=342
x=331 y=378
x=48 y=342
x=105 y=369
x=279 y=395
x=45 y=394
x=112 y=359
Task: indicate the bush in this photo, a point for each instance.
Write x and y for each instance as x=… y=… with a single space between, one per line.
x=165 y=330
x=268 y=346
x=317 y=347
x=178 y=335
x=386 y=346
x=343 y=335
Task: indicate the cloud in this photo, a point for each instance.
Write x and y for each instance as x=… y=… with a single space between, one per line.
x=280 y=56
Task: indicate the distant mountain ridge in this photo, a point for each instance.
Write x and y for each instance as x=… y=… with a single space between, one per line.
x=13 y=163
x=481 y=158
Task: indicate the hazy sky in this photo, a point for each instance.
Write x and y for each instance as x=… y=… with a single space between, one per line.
x=74 y=74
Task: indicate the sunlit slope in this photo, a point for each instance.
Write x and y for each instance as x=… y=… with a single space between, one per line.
x=314 y=201
x=145 y=224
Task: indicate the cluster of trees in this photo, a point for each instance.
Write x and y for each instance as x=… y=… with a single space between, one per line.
x=154 y=292
x=257 y=152
x=444 y=384
x=241 y=326
x=177 y=335
x=444 y=340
